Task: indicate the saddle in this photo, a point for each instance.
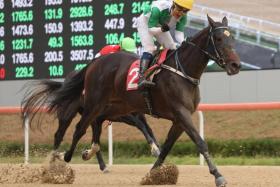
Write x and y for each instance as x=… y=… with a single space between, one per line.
x=133 y=72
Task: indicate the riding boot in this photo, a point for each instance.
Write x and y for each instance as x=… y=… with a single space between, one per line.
x=144 y=64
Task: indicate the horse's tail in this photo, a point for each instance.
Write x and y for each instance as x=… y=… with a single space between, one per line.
x=70 y=92
x=35 y=99
x=52 y=95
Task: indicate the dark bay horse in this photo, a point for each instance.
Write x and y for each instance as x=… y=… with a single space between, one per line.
x=175 y=96
x=41 y=94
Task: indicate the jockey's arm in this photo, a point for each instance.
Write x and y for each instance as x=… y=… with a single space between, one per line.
x=153 y=22
x=180 y=28
x=155 y=30
x=179 y=36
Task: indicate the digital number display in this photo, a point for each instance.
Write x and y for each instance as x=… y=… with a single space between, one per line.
x=49 y=38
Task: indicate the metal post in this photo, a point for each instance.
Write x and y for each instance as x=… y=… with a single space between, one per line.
x=110 y=142
x=279 y=44
x=201 y=133
x=26 y=139
x=258 y=37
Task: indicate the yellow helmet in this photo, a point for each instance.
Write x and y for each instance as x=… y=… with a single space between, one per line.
x=187 y=4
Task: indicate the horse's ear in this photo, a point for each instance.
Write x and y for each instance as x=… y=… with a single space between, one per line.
x=225 y=21
x=210 y=21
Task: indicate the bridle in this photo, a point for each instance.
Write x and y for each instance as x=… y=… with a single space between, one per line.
x=217 y=57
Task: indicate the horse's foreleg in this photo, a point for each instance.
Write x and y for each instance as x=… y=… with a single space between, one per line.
x=142 y=118
x=185 y=120
x=149 y=135
x=174 y=133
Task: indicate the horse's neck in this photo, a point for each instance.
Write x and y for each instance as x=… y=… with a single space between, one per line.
x=194 y=61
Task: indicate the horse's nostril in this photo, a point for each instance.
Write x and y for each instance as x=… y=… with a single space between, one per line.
x=235 y=65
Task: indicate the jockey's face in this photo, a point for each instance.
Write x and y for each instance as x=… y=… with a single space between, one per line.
x=178 y=11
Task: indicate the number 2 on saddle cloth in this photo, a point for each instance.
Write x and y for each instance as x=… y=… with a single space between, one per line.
x=133 y=73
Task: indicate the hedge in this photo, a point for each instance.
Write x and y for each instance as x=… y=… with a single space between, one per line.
x=249 y=148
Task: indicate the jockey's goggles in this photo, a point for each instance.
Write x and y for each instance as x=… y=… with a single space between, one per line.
x=181 y=9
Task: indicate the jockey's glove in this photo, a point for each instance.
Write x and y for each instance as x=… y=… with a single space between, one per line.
x=164 y=27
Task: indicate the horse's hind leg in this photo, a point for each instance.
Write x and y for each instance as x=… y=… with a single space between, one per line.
x=59 y=134
x=97 y=129
x=80 y=130
x=63 y=123
x=173 y=134
x=95 y=147
x=94 y=104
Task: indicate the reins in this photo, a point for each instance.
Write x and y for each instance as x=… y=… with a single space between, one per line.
x=179 y=70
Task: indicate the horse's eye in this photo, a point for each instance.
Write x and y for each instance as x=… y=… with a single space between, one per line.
x=218 y=39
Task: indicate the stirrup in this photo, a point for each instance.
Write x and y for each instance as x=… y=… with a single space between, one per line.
x=146 y=84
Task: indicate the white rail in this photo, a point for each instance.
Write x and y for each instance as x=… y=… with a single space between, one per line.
x=261 y=29
x=259 y=24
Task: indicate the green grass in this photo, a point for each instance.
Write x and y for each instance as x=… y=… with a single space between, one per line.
x=186 y=160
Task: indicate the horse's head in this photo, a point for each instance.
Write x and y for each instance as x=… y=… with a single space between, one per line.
x=221 y=46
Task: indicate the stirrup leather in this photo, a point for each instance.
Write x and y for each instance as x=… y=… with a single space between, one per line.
x=149 y=105
x=147 y=100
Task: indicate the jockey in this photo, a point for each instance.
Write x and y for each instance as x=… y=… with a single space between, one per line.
x=126 y=44
x=156 y=22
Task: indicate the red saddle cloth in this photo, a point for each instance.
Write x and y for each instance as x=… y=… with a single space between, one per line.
x=133 y=72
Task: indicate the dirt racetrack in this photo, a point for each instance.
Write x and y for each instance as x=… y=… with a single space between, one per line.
x=189 y=176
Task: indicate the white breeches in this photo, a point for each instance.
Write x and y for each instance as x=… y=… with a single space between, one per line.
x=165 y=38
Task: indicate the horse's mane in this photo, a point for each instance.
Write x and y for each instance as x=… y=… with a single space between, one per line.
x=199 y=33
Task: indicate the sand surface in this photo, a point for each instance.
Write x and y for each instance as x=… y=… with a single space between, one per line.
x=189 y=176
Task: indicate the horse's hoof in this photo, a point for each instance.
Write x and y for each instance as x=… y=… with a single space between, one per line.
x=58 y=155
x=155 y=150
x=155 y=153
x=106 y=170
x=95 y=148
x=85 y=155
x=67 y=157
x=221 y=182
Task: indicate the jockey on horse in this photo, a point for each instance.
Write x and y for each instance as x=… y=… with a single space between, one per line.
x=156 y=23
